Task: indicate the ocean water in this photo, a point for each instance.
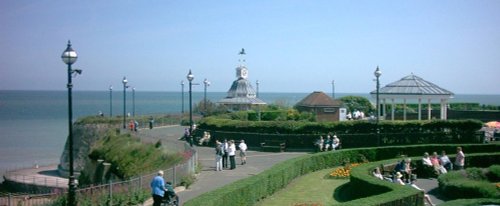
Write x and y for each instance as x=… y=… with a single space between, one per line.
x=34 y=124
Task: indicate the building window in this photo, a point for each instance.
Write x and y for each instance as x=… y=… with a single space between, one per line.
x=329 y=110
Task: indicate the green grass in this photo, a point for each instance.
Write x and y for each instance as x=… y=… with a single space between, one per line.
x=311 y=189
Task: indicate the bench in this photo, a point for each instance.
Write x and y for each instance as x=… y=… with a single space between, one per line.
x=387 y=170
x=273 y=145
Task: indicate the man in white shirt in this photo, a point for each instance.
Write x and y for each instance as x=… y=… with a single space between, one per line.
x=243 y=149
x=231 y=151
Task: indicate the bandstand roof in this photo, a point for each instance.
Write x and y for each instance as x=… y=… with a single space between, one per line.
x=412 y=86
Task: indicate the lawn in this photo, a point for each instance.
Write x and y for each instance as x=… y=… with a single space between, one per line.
x=309 y=190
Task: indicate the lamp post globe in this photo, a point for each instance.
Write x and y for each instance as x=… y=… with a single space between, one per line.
x=124 y=81
x=69 y=57
x=190 y=78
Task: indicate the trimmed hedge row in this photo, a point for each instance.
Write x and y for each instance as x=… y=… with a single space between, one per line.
x=250 y=190
x=362 y=179
x=353 y=134
x=472 y=202
x=341 y=127
x=471 y=183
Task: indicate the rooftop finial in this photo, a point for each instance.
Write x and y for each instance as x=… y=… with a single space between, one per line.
x=241 y=53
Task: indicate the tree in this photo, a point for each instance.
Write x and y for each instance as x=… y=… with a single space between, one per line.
x=354 y=103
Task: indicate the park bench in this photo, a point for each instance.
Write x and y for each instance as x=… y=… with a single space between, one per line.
x=387 y=170
x=273 y=145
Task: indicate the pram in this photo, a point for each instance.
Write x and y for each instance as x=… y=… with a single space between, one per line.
x=170 y=199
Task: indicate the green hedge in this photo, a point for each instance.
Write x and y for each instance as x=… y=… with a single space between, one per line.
x=353 y=134
x=470 y=183
x=250 y=190
x=472 y=202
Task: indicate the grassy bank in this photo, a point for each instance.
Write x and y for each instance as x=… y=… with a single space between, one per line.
x=311 y=189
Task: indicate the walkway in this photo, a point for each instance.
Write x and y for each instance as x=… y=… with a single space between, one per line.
x=209 y=179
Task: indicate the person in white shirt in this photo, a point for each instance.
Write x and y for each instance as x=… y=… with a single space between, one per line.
x=426 y=160
x=398 y=179
x=231 y=151
x=426 y=196
x=243 y=149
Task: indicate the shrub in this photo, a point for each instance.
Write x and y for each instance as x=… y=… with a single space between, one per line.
x=469 y=183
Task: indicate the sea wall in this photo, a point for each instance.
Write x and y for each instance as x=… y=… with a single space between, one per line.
x=84 y=136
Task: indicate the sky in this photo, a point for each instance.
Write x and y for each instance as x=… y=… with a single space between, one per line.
x=291 y=46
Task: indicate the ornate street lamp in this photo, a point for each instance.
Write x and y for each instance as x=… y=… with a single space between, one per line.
x=377 y=74
x=124 y=81
x=190 y=78
x=110 y=100
x=69 y=57
x=206 y=83
x=182 y=91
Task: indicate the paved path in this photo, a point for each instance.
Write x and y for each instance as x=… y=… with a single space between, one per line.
x=209 y=179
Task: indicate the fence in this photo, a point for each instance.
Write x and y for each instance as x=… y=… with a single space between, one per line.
x=94 y=194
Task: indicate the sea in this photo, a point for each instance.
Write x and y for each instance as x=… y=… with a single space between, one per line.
x=34 y=124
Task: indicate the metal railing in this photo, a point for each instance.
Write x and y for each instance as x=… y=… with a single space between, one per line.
x=92 y=194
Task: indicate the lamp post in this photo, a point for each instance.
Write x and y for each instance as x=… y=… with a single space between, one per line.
x=110 y=100
x=206 y=83
x=124 y=81
x=133 y=101
x=377 y=74
x=257 y=86
x=69 y=57
x=333 y=89
x=182 y=91
x=190 y=78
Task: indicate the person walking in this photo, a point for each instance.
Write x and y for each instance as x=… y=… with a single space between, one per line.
x=243 y=149
x=218 y=155
x=231 y=150
x=460 y=159
x=158 y=188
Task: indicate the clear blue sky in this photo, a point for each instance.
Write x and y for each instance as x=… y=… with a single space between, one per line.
x=292 y=46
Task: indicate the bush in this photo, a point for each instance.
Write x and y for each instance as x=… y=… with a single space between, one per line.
x=130 y=157
x=469 y=183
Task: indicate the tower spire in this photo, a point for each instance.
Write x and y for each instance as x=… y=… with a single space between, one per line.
x=242 y=57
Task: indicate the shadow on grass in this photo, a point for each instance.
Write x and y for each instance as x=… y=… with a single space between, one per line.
x=344 y=193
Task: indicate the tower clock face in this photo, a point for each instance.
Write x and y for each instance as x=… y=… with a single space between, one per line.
x=244 y=73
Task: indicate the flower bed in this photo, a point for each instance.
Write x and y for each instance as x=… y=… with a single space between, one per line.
x=343 y=172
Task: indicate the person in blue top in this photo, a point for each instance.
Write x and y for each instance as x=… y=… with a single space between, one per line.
x=158 y=188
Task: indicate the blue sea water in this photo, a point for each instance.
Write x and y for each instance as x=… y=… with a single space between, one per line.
x=34 y=124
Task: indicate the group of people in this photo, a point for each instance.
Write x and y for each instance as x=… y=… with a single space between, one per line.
x=227 y=150
x=398 y=177
x=441 y=164
x=331 y=142
x=403 y=171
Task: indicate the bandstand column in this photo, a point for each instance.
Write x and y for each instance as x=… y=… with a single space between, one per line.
x=404 y=109
x=429 y=109
x=419 y=109
x=392 y=109
x=383 y=108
